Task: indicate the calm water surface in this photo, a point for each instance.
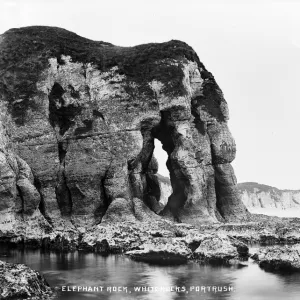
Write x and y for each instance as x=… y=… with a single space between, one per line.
x=79 y=269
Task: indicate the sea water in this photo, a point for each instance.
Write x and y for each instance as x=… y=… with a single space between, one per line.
x=80 y=276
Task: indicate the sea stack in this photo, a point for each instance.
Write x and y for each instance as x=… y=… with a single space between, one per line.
x=78 y=120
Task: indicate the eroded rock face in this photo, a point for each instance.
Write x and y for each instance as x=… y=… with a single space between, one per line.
x=78 y=119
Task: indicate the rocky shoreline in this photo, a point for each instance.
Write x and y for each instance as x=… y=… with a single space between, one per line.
x=158 y=236
x=119 y=237
x=164 y=242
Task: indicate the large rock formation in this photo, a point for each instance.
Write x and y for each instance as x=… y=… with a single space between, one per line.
x=260 y=198
x=78 y=119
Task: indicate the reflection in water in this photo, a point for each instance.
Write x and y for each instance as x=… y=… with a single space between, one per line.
x=79 y=269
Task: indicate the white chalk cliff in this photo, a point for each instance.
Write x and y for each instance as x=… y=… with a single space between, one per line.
x=260 y=198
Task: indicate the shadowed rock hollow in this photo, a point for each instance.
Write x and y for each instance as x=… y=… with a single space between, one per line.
x=78 y=119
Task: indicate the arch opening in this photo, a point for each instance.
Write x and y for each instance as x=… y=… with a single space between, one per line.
x=158 y=185
x=163 y=174
x=158 y=175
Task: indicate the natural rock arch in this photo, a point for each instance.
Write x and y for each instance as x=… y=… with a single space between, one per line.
x=83 y=116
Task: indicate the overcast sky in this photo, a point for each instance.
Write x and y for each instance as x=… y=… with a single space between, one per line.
x=251 y=47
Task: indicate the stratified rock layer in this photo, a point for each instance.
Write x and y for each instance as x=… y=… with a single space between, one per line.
x=78 y=119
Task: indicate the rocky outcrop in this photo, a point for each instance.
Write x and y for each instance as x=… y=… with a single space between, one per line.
x=191 y=245
x=17 y=281
x=220 y=249
x=279 y=258
x=78 y=119
x=264 y=230
x=260 y=198
x=162 y=251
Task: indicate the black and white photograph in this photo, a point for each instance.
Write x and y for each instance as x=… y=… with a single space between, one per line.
x=149 y=150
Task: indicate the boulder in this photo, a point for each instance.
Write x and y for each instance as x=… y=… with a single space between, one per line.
x=219 y=249
x=279 y=258
x=17 y=281
x=241 y=247
x=161 y=251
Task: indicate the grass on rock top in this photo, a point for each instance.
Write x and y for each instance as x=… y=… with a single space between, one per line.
x=24 y=54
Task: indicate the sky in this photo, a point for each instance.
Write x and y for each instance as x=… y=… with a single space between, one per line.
x=251 y=47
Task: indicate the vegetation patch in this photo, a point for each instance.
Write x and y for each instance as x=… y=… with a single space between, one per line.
x=24 y=54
